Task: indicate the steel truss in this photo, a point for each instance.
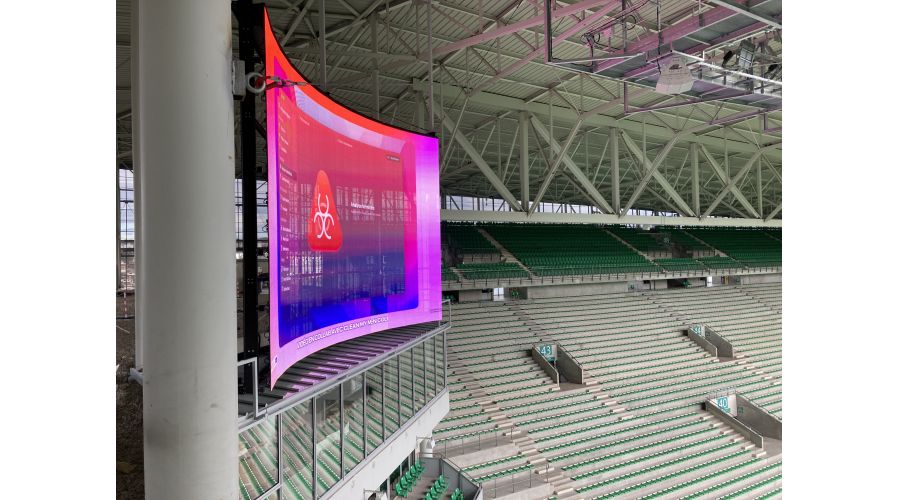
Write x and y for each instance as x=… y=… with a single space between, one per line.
x=517 y=129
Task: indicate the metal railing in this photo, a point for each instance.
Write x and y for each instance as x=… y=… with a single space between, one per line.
x=470 y=442
x=515 y=483
x=255 y=381
x=463 y=480
x=581 y=275
x=439 y=329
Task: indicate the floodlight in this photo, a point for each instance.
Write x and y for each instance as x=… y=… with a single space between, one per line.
x=745 y=55
x=674 y=76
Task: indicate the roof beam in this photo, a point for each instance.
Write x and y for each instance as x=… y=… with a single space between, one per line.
x=699 y=48
x=517 y=26
x=734 y=180
x=679 y=30
x=295 y=23
x=512 y=68
x=740 y=9
x=376 y=5
x=568 y=218
x=731 y=185
x=585 y=183
x=651 y=170
x=563 y=153
x=774 y=212
x=565 y=115
x=480 y=163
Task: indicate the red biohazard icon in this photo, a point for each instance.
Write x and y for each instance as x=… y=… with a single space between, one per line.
x=324 y=234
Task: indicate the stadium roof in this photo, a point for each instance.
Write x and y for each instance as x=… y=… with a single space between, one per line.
x=490 y=76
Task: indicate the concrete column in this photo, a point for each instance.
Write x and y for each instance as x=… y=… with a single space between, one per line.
x=118 y=230
x=186 y=234
x=136 y=183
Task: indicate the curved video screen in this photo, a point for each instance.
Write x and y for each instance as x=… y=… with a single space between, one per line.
x=354 y=229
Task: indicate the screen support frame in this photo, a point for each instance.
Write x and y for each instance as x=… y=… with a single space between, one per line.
x=249 y=18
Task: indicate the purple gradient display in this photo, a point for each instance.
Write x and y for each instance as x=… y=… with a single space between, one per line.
x=354 y=230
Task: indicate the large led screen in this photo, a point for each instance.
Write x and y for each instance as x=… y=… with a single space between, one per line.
x=354 y=229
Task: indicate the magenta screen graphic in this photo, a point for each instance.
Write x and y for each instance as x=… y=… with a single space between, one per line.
x=354 y=230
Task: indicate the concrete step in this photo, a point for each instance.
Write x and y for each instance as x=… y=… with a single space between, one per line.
x=507 y=255
x=567 y=493
x=628 y=245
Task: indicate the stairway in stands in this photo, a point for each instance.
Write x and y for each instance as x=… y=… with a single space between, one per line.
x=640 y=430
x=507 y=255
x=614 y=235
x=763 y=296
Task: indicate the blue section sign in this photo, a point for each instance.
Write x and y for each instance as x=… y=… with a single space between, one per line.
x=546 y=350
x=723 y=405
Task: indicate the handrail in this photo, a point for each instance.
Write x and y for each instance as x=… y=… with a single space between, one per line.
x=593 y=276
x=453 y=473
x=252 y=361
x=245 y=420
x=569 y=355
x=455 y=466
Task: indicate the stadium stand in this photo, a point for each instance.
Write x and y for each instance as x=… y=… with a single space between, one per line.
x=643 y=241
x=492 y=270
x=752 y=247
x=636 y=428
x=554 y=250
x=548 y=250
x=447 y=274
x=466 y=240
x=680 y=264
x=685 y=242
x=718 y=262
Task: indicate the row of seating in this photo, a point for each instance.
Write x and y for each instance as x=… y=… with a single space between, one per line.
x=645 y=241
x=681 y=239
x=409 y=479
x=752 y=247
x=631 y=345
x=719 y=262
x=680 y=264
x=550 y=250
x=466 y=239
x=437 y=489
x=492 y=270
x=554 y=250
x=447 y=274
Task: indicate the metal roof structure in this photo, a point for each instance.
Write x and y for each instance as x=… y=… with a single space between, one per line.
x=517 y=127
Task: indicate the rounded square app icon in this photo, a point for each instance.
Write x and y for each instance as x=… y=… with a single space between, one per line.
x=324 y=233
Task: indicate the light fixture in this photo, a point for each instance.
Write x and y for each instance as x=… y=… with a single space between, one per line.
x=674 y=76
x=746 y=53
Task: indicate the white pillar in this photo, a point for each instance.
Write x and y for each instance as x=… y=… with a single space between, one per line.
x=186 y=271
x=118 y=231
x=136 y=183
